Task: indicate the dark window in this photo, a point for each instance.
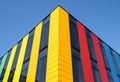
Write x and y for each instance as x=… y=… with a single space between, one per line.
x=24 y=72
x=104 y=56
x=77 y=66
x=45 y=33
x=27 y=57
x=29 y=46
x=109 y=75
x=1 y=60
x=96 y=71
x=74 y=33
x=119 y=78
x=41 y=67
x=90 y=45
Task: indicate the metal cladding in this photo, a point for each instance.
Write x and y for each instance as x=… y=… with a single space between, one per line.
x=60 y=49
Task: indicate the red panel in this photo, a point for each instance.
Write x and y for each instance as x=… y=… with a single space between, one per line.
x=99 y=58
x=85 y=55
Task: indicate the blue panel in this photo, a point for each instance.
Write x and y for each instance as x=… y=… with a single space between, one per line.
x=117 y=59
x=112 y=67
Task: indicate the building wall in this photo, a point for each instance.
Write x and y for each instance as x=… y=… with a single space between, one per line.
x=60 y=49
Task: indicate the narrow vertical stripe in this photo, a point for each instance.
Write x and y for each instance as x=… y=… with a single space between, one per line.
x=3 y=63
x=85 y=55
x=20 y=59
x=65 y=56
x=53 y=48
x=59 y=61
x=112 y=67
x=7 y=72
x=31 y=74
x=99 y=57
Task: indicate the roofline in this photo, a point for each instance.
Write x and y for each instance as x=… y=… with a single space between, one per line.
x=46 y=17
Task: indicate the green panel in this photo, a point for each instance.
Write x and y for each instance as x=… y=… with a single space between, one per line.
x=3 y=63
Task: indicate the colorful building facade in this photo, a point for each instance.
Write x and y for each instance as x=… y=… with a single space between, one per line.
x=60 y=49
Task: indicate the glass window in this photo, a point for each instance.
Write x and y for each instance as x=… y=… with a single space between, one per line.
x=109 y=75
x=41 y=67
x=45 y=33
x=24 y=72
x=77 y=66
x=119 y=78
x=74 y=33
x=29 y=46
x=1 y=60
x=90 y=45
x=16 y=56
x=27 y=57
x=104 y=56
x=96 y=72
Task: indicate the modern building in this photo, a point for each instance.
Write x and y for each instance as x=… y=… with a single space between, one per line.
x=60 y=49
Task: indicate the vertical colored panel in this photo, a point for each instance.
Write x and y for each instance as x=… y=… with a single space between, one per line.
x=2 y=63
x=65 y=57
x=20 y=59
x=12 y=55
x=98 y=52
x=59 y=62
x=85 y=55
x=117 y=59
x=112 y=67
x=34 y=54
x=53 y=48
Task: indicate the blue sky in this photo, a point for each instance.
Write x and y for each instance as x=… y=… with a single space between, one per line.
x=18 y=17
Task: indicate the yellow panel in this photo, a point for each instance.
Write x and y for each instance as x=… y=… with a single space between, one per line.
x=34 y=54
x=59 y=48
x=53 y=47
x=65 y=48
x=7 y=72
x=20 y=59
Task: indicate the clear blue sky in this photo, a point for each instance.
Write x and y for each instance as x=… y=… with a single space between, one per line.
x=18 y=17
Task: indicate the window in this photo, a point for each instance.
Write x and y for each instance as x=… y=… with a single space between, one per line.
x=27 y=57
x=45 y=33
x=41 y=67
x=29 y=46
x=77 y=67
x=24 y=72
x=90 y=45
x=1 y=60
x=74 y=33
x=104 y=56
x=96 y=72
x=109 y=76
